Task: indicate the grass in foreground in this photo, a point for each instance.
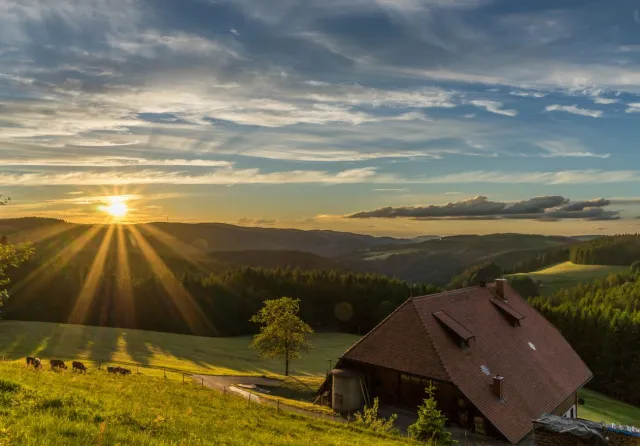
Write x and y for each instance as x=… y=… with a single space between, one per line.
x=598 y=407
x=225 y=356
x=46 y=407
x=568 y=274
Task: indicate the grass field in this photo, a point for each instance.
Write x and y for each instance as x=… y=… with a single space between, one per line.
x=568 y=274
x=46 y=407
x=188 y=353
x=227 y=356
x=598 y=407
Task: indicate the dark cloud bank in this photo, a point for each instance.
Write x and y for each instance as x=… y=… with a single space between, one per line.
x=548 y=208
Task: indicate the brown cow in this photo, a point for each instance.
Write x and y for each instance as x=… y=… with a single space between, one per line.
x=112 y=369
x=124 y=371
x=31 y=360
x=57 y=364
x=77 y=365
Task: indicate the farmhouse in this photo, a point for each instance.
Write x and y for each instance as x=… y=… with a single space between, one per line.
x=496 y=362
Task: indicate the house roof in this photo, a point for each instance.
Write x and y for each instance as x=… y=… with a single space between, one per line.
x=539 y=367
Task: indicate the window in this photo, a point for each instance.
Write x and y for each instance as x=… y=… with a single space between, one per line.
x=571 y=413
x=462 y=335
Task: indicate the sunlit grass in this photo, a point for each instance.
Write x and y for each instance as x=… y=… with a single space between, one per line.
x=197 y=354
x=598 y=407
x=47 y=407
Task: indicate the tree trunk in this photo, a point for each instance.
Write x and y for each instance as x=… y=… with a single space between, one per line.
x=286 y=366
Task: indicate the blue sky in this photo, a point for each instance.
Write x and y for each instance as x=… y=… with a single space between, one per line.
x=335 y=114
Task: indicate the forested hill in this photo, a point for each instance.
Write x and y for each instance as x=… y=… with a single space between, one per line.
x=209 y=237
x=611 y=250
x=601 y=321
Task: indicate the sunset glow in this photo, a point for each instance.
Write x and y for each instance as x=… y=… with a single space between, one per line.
x=117 y=207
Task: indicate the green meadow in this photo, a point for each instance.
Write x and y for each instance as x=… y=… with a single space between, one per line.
x=48 y=407
x=568 y=274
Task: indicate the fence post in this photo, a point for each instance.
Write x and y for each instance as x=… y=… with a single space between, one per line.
x=278 y=405
x=99 y=366
x=202 y=382
x=165 y=373
x=249 y=400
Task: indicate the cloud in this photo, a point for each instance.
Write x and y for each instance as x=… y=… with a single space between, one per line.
x=567 y=149
x=633 y=107
x=494 y=107
x=606 y=101
x=591 y=176
x=109 y=161
x=528 y=94
x=574 y=109
x=548 y=208
x=234 y=32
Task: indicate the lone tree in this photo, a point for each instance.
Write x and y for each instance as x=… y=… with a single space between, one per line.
x=282 y=333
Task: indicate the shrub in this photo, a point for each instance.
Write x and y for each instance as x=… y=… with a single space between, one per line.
x=370 y=420
x=430 y=423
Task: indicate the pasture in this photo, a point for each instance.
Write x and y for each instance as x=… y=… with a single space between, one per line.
x=568 y=274
x=47 y=407
x=221 y=356
x=598 y=407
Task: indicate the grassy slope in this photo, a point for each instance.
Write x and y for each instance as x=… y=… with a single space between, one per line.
x=209 y=355
x=189 y=353
x=567 y=274
x=600 y=408
x=46 y=407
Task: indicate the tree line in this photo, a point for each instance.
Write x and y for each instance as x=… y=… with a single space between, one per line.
x=329 y=300
x=611 y=250
x=601 y=321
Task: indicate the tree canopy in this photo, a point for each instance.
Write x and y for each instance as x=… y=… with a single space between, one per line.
x=282 y=333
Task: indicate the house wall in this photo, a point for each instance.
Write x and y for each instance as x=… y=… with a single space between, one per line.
x=572 y=400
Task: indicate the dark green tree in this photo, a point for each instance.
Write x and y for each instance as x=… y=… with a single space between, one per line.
x=430 y=425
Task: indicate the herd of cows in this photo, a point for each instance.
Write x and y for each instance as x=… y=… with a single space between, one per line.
x=57 y=364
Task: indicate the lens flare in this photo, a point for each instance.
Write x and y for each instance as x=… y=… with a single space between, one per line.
x=117 y=207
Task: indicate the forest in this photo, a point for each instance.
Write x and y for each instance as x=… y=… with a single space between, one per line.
x=611 y=250
x=601 y=320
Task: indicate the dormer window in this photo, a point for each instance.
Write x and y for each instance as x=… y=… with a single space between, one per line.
x=512 y=316
x=460 y=334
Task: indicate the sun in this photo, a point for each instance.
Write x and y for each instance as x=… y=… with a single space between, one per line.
x=117 y=207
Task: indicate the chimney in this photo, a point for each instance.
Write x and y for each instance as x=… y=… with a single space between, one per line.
x=500 y=288
x=498 y=387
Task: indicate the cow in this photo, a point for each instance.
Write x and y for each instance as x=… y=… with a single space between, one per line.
x=77 y=365
x=37 y=364
x=124 y=371
x=31 y=360
x=57 y=364
x=113 y=370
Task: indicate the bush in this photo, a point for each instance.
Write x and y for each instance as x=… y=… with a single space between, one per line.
x=370 y=420
x=431 y=421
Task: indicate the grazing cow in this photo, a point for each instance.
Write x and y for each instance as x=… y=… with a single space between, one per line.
x=113 y=370
x=37 y=364
x=31 y=360
x=124 y=371
x=57 y=364
x=76 y=365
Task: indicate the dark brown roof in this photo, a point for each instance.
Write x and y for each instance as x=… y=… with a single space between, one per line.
x=454 y=326
x=539 y=367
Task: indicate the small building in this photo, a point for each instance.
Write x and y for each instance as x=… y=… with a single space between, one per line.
x=496 y=362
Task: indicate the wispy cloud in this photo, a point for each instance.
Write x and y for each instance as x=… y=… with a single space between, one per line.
x=574 y=109
x=493 y=107
x=633 y=107
x=528 y=94
x=605 y=101
x=568 y=148
x=109 y=161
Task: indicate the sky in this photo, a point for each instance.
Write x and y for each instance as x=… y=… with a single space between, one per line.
x=387 y=117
